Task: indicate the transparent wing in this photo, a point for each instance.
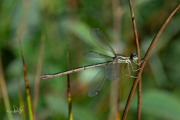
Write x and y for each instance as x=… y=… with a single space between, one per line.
x=92 y=54
x=99 y=38
x=97 y=83
x=112 y=70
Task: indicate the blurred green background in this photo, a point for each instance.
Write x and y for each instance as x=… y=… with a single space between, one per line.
x=64 y=23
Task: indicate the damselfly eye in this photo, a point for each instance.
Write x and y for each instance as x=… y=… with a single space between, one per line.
x=133 y=56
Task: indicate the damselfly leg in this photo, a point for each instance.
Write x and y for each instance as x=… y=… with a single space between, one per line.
x=130 y=64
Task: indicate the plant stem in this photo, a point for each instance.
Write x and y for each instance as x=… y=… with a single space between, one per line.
x=145 y=60
x=69 y=89
x=26 y=83
x=138 y=54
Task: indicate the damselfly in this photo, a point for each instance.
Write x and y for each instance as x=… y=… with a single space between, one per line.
x=111 y=69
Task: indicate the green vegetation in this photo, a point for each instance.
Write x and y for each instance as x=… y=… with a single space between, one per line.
x=60 y=23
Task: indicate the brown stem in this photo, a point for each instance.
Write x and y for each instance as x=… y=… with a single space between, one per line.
x=28 y=95
x=69 y=89
x=138 y=54
x=37 y=79
x=4 y=92
x=114 y=113
x=145 y=60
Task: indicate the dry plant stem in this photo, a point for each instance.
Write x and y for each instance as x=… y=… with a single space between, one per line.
x=138 y=54
x=21 y=102
x=139 y=100
x=118 y=103
x=37 y=79
x=26 y=83
x=4 y=92
x=69 y=89
x=115 y=85
x=145 y=60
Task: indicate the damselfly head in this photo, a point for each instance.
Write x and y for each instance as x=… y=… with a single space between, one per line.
x=133 y=56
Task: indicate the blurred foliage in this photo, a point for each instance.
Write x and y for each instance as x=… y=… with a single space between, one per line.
x=69 y=22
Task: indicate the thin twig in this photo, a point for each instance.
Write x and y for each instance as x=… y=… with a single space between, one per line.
x=37 y=79
x=138 y=54
x=26 y=82
x=145 y=60
x=69 y=89
x=114 y=113
x=21 y=102
x=4 y=92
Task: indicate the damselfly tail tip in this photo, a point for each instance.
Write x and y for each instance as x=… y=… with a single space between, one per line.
x=44 y=76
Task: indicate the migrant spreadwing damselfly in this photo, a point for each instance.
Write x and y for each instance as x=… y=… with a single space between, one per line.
x=111 y=69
